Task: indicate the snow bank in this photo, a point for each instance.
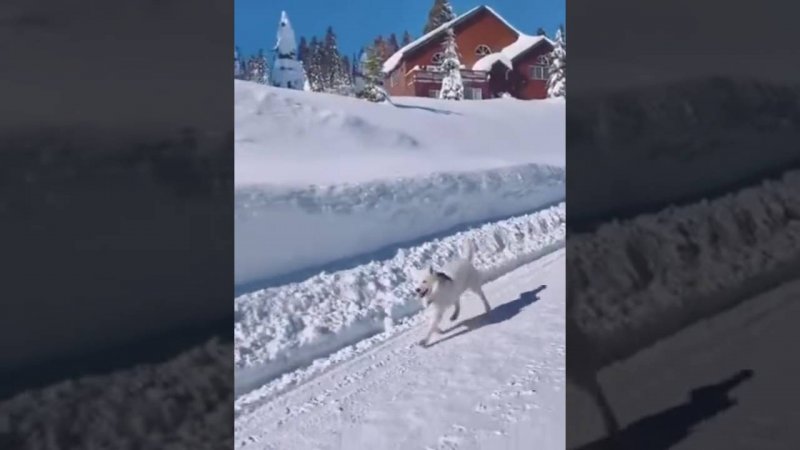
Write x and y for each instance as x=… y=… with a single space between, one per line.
x=280 y=329
x=184 y=402
x=661 y=271
x=749 y=128
x=285 y=137
x=273 y=225
x=359 y=176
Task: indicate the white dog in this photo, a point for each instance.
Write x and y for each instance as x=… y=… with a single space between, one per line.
x=444 y=288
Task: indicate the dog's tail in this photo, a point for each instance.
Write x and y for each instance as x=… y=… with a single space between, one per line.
x=468 y=249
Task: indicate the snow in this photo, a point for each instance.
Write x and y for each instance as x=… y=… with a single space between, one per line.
x=522 y=44
x=382 y=174
x=184 y=402
x=279 y=329
x=745 y=337
x=663 y=271
x=493 y=381
x=650 y=134
x=486 y=63
x=287 y=71
x=385 y=189
x=286 y=44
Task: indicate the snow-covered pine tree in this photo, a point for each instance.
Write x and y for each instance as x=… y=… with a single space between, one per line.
x=238 y=73
x=452 y=85
x=372 y=76
x=406 y=38
x=287 y=71
x=441 y=12
x=334 y=73
x=347 y=87
x=263 y=67
x=557 y=78
x=313 y=65
x=252 y=69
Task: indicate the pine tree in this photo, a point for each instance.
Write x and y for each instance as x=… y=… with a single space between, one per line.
x=392 y=46
x=373 y=75
x=557 y=79
x=381 y=48
x=541 y=32
x=334 y=73
x=452 y=86
x=238 y=72
x=287 y=71
x=313 y=64
x=406 y=38
x=302 y=49
x=441 y=12
x=263 y=68
x=252 y=69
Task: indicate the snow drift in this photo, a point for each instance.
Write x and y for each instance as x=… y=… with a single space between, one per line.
x=360 y=176
x=663 y=271
x=746 y=128
x=280 y=329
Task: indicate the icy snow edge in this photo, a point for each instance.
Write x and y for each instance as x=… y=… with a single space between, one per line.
x=280 y=329
x=681 y=264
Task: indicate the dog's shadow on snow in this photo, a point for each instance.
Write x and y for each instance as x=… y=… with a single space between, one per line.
x=497 y=315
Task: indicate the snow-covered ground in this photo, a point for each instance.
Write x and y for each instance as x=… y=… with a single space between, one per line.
x=642 y=148
x=759 y=415
x=662 y=271
x=493 y=381
x=361 y=176
x=280 y=329
x=383 y=190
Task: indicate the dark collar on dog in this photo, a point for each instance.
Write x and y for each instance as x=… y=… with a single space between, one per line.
x=443 y=276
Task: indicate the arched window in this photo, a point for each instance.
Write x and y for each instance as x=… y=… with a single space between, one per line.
x=483 y=50
x=437 y=58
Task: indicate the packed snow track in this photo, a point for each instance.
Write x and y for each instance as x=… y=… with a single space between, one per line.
x=490 y=381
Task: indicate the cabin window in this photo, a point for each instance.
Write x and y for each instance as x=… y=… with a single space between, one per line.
x=437 y=58
x=483 y=50
x=539 y=72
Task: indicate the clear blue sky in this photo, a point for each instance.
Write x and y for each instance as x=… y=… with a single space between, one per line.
x=358 y=22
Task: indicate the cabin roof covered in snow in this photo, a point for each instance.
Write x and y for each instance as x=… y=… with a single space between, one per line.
x=523 y=43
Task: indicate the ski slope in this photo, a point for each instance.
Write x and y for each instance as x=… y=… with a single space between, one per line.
x=493 y=381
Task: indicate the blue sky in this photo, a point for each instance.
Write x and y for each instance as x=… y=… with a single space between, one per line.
x=358 y=22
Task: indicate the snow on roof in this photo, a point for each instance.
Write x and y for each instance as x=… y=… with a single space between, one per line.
x=523 y=42
x=395 y=59
x=488 y=61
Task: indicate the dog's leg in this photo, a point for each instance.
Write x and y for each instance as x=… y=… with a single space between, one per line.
x=478 y=290
x=457 y=311
x=434 y=326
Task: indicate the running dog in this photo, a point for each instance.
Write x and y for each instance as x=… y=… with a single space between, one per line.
x=443 y=288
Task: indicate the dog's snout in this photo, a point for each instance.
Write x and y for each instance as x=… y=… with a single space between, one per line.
x=417 y=290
